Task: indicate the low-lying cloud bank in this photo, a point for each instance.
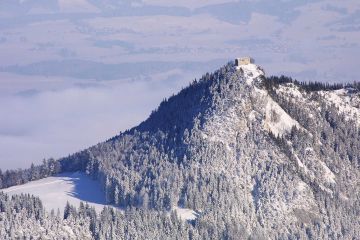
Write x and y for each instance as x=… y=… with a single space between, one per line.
x=38 y=124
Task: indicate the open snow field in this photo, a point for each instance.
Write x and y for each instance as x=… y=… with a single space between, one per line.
x=56 y=191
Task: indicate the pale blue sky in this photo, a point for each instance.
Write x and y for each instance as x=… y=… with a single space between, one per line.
x=75 y=72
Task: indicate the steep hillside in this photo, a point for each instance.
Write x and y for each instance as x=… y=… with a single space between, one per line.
x=278 y=161
x=252 y=157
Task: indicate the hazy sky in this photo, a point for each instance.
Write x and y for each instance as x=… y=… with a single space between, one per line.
x=76 y=72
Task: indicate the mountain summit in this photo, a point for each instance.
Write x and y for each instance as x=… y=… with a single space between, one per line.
x=254 y=157
x=262 y=156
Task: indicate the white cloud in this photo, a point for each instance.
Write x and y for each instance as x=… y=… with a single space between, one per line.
x=56 y=123
x=185 y=3
x=77 y=6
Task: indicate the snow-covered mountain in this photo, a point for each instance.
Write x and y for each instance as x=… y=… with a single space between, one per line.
x=250 y=157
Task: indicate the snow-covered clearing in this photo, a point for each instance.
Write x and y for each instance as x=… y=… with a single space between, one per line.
x=55 y=191
x=186 y=214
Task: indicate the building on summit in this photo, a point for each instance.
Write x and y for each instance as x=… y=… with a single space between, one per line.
x=244 y=61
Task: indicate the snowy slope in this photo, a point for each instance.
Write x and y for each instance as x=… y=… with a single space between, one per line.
x=251 y=72
x=346 y=103
x=277 y=120
x=345 y=100
x=56 y=191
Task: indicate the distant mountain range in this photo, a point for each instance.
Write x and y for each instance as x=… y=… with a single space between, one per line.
x=254 y=157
